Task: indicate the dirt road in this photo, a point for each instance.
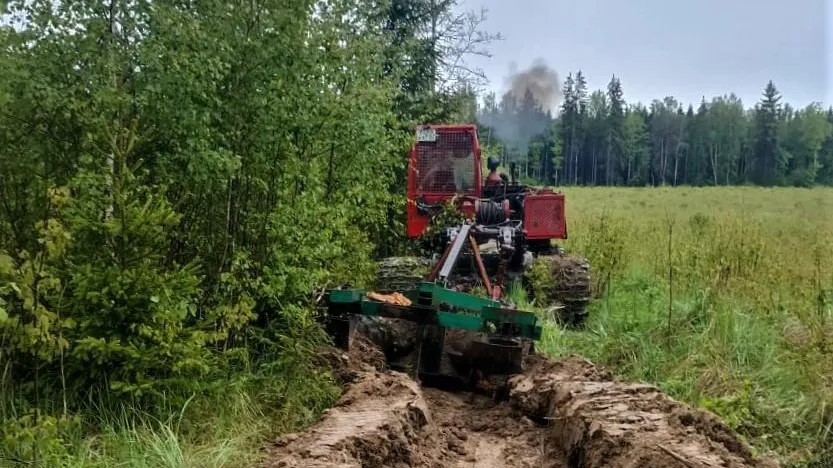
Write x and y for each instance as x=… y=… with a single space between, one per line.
x=567 y=413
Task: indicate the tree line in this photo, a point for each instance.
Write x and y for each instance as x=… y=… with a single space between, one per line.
x=597 y=138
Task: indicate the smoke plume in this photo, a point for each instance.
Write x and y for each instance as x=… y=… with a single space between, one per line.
x=523 y=113
x=541 y=81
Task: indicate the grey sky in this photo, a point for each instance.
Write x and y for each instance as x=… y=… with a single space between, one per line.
x=670 y=47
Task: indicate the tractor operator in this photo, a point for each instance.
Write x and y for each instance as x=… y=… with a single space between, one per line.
x=493 y=178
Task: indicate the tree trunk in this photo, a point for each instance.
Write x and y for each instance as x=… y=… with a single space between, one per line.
x=628 y=182
x=594 y=165
x=714 y=163
x=607 y=162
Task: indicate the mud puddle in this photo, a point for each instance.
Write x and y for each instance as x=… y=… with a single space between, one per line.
x=568 y=413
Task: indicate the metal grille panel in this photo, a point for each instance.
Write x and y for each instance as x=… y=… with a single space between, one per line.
x=446 y=165
x=544 y=216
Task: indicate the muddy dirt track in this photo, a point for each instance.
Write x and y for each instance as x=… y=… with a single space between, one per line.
x=567 y=413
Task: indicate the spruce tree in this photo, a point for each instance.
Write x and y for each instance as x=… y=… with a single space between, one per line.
x=767 y=152
x=567 y=128
x=616 y=120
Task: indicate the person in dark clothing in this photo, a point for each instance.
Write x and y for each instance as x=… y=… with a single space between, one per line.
x=493 y=178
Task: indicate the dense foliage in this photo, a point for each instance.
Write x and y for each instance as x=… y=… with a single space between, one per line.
x=176 y=180
x=599 y=139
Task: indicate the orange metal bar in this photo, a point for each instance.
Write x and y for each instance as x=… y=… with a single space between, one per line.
x=436 y=270
x=482 y=268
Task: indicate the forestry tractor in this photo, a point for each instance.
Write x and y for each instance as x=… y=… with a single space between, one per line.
x=477 y=233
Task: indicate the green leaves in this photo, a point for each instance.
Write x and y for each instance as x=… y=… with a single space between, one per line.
x=177 y=180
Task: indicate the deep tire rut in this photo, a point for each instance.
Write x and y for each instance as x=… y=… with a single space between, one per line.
x=478 y=432
x=560 y=414
x=386 y=420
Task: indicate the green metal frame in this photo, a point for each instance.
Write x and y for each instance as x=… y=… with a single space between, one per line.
x=433 y=304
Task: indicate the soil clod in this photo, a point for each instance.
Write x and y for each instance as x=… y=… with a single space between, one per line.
x=597 y=421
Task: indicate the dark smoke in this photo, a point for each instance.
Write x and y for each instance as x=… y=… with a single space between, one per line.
x=524 y=111
x=541 y=81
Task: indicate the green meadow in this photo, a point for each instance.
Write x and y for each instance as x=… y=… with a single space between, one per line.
x=722 y=297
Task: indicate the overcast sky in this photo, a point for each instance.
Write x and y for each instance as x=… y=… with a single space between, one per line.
x=686 y=49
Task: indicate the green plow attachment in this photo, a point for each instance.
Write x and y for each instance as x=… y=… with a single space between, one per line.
x=495 y=340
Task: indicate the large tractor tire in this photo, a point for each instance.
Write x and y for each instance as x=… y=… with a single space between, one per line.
x=562 y=282
x=398 y=274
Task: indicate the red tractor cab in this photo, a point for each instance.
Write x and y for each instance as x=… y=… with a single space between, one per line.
x=444 y=163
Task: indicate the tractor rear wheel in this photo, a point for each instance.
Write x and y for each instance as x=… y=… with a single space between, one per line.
x=562 y=281
x=397 y=274
x=396 y=338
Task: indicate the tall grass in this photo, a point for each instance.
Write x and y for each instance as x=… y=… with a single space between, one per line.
x=720 y=296
x=225 y=425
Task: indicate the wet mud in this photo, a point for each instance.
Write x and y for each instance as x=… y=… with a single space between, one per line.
x=599 y=422
x=559 y=413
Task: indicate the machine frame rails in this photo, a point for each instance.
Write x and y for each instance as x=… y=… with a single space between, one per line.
x=503 y=332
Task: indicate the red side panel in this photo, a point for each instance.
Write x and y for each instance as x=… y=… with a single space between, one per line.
x=544 y=216
x=417 y=222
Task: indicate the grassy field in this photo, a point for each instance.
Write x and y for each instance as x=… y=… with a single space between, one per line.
x=721 y=296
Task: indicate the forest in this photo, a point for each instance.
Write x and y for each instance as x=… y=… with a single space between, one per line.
x=179 y=180
x=597 y=138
